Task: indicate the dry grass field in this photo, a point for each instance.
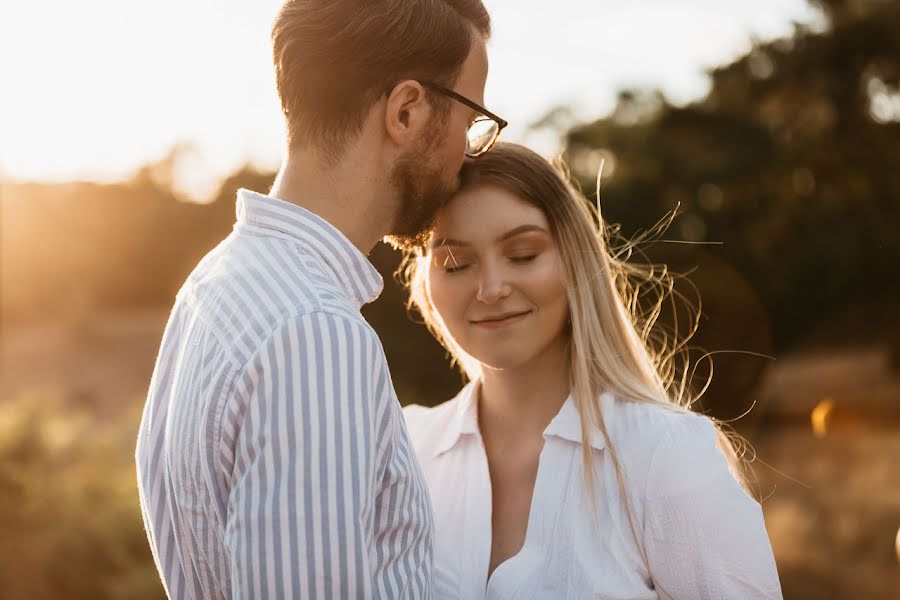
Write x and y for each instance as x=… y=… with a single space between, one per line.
x=70 y=396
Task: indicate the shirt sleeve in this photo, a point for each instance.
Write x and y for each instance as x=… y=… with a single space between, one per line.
x=299 y=521
x=705 y=536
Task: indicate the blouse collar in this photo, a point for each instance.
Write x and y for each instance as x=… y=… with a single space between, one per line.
x=565 y=425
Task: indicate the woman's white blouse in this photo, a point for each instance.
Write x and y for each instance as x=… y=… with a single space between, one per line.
x=704 y=537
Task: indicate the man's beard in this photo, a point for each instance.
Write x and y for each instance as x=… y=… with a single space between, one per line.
x=422 y=190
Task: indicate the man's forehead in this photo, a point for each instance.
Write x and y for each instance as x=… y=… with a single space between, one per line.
x=473 y=74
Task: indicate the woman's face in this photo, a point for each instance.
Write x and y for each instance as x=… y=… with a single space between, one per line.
x=496 y=279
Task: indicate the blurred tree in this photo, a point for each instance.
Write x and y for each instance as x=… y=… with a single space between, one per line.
x=792 y=161
x=107 y=246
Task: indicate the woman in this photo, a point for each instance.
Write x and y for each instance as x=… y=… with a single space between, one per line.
x=568 y=467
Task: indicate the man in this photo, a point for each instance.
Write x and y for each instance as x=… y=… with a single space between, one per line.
x=272 y=458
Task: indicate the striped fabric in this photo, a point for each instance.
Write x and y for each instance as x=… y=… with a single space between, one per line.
x=273 y=459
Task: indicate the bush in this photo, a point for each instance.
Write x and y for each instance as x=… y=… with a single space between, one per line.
x=70 y=522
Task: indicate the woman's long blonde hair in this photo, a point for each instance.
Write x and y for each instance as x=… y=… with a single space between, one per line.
x=616 y=343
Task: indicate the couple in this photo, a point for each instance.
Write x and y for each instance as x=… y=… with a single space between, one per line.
x=274 y=460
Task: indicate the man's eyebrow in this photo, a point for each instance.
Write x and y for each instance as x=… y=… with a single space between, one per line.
x=509 y=234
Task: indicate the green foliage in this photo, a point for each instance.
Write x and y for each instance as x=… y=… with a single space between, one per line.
x=70 y=523
x=792 y=161
x=790 y=166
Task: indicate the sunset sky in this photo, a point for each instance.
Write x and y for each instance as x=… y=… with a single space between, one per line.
x=94 y=89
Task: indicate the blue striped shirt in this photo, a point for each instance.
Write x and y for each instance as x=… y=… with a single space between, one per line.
x=273 y=459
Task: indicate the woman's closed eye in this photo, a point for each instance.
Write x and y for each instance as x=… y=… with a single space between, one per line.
x=523 y=253
x=455 y=267
x=451 y=265
x=525 y=249
x=450 y=262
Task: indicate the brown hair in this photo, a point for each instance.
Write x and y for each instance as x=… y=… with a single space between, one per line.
x=335 y=58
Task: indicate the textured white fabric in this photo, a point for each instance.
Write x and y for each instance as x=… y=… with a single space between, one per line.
x=703 y=535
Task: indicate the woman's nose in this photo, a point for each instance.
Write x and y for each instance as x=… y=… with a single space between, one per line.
x=492 y=285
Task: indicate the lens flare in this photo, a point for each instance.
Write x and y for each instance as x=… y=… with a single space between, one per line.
x=819 y=417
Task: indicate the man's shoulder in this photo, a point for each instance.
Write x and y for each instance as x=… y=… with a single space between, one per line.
x=326 y=334
x=331 y=323
x=271 y=275
x=253 y=288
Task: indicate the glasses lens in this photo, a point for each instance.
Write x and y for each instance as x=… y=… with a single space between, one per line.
x=481 y=135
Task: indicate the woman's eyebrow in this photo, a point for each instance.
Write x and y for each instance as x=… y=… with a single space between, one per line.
x=520 y=230
x=509 y=234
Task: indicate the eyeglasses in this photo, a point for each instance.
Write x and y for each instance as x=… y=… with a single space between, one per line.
x=484 y=130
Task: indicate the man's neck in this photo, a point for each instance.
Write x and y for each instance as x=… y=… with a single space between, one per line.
x=353 y=196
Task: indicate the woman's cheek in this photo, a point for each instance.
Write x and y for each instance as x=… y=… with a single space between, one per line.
x=442 y=296
x=455 y=302
x=547 y=287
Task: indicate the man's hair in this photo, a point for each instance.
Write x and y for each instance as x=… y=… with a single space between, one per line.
x=335 y=58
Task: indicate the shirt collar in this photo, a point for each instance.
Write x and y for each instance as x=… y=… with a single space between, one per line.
x=463 y=421
x=565 y=425
x=349 y=267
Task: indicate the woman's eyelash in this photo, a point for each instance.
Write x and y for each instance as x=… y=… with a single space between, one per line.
x=450 y=265
x=455 y=269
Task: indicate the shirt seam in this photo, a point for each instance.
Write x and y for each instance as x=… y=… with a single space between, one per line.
x=241 y=369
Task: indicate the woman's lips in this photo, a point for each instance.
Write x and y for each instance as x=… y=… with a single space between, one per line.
x=503 y=322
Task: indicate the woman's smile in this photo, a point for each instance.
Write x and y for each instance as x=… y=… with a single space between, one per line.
x=495 y=276
x=502 y=320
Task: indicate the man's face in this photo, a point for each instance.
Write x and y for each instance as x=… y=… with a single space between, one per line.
x=427 y=175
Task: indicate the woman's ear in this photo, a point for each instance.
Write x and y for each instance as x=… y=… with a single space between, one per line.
x=406 y=111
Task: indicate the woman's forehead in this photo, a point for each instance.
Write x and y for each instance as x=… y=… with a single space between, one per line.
x=484 y=210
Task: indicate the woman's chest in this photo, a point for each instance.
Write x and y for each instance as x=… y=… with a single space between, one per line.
x=571 y=548
x=512 y=477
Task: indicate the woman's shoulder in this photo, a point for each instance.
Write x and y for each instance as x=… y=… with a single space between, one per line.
x=632 y=418
x=425 y=423
x=675 y=447
x=420 y=417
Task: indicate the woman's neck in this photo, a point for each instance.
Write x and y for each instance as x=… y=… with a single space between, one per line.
x=518 y=403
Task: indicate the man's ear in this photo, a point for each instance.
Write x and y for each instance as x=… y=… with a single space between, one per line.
x=406 y=111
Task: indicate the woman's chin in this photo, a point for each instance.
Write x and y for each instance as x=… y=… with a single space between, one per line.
x=501 y=361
